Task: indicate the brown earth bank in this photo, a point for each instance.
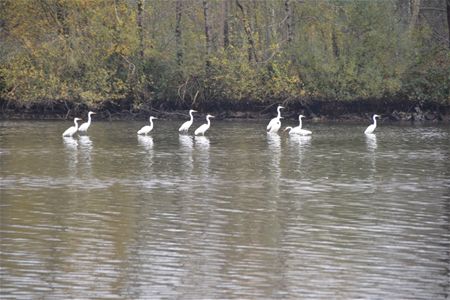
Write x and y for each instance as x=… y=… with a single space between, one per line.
x=315 y=109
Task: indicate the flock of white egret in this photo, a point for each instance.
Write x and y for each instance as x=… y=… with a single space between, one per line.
x=273 y=126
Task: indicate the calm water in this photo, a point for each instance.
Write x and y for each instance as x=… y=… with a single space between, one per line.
x=236 y=214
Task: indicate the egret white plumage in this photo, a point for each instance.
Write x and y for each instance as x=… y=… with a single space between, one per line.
x=298 y=129
x=202 y=129
x=146 y=129
x=372 y=127
x=71 y=130
x=84 y=127
x=186 y=125
x=275 y=124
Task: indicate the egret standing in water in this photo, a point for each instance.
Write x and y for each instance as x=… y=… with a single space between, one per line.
x=84 y=127
x=202 y=129
x=372 y=127
x=71 y=130
x=275 y=124
x=298 y=129
x=186 y=125
x=147 y=128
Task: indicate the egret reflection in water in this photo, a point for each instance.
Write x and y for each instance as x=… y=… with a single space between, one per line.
x=202 y=142
x=301 y=141
x=71 y=146
x=70 y=143
x=145 y=141
x=274 y=170
x=202 y=153
x=85 y=149
x=185 y=152
x=371 y=141
x=186 y=141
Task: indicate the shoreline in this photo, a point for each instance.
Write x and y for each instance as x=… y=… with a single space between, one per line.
x=316 y=111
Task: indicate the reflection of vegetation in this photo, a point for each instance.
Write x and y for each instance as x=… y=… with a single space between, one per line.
x=92 y=51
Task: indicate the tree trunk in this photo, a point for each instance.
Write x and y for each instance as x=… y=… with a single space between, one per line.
x=178 y=41
x=140 y=12
x=415 y=8
x=448 y=21
x=61 y=18
x=207 y=33
x=226 y=28
x=433 y=13
x=268 y=30
x=288 y=10
x=249 y=33
x=334 y=43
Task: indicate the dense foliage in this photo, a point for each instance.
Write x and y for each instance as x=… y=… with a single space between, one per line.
x=183 y=51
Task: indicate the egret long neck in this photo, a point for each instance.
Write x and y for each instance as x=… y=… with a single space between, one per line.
x=151 y=122
x=89 y=119
x=207 y=120
x=375 y=121
x=279 y=112
x=192 y=117
x=300 y=122
x=76 y=124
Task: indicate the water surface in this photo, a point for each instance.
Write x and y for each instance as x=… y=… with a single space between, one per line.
x=235 y=214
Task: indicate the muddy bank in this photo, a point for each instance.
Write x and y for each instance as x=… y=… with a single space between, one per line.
x=317 y=110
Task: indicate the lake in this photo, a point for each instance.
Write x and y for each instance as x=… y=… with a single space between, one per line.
x=235 y=214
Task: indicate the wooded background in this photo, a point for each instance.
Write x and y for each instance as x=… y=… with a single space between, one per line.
x=185 y=51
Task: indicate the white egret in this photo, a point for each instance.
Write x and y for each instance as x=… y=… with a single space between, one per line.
x=302 y=131
x=71 y=130
x=275 y=124
x=298 y=129
x=186 y=125
x=202 y=129
x=84 y=127
x=147 y=128
x=372 y=127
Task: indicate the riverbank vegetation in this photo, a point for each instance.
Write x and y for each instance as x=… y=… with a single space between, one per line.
x=245 y=54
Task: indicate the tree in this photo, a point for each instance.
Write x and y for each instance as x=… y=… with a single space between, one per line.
x=207 y=33
x=140 y=12
x=448 y=21
x=178 y=40
x=288 y=10
x=249 y=33
x=226 y=27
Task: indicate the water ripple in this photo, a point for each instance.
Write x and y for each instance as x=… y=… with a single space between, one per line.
x=235 y=214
